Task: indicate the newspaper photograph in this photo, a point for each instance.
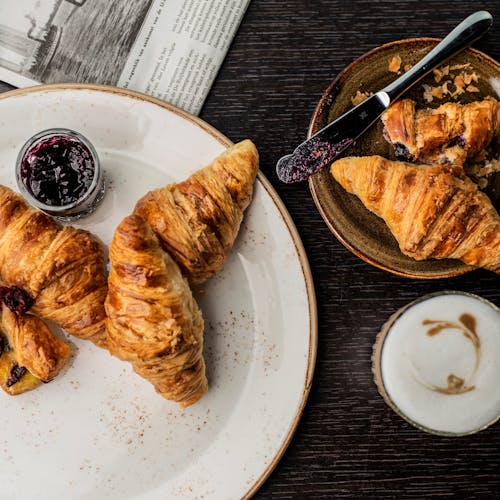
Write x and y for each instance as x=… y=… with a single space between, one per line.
x=170 y=49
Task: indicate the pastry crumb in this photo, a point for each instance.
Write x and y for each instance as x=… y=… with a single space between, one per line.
x=359 y=97
x=395 y=64
x=472 y=88
x=428 y=93
x=460 y=82
x=441 y=72
x=487 y=169
x=483 y=169
x=460 y=66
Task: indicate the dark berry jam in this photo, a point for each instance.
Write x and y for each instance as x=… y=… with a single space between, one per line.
x=58 y=170
x=15 y=298
x=16 y=374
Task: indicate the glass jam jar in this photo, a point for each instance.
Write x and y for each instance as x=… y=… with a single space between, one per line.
x=58 y=171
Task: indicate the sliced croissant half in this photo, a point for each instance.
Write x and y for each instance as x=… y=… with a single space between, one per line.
x=449 y=134
x=29 y=353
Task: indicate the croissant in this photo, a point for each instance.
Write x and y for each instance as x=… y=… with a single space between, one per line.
x=432 y=211
x=153 y=319
x=30 y=354
x=449 y=134
x=198 y=220
x=61 y=268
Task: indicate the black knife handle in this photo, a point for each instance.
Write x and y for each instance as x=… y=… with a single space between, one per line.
x=467 y=32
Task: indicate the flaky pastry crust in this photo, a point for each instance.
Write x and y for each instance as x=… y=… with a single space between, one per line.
x=197 y=221
x=30 y=350
x=61 y=268
x=153 y=319
x=449 y=134
x=433 y=211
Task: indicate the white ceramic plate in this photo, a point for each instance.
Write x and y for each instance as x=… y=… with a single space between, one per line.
x=100 y=431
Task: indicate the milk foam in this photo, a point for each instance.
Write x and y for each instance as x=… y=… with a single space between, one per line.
x=416 y=367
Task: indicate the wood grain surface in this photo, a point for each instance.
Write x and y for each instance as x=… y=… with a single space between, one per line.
x=349 y=444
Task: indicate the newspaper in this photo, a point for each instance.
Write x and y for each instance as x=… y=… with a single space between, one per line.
x=170 y=49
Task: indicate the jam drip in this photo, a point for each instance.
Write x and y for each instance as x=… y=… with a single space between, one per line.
x=16 y=373
x=58 y=170
x=16 y=299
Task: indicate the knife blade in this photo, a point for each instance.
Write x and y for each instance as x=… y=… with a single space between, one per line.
x=322 y=148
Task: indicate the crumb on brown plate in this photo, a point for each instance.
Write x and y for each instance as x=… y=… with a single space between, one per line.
x=460 y=66
x=483 y=170
x=460 y=82
x=471 y=88
x=359 y=97
x=395 y=64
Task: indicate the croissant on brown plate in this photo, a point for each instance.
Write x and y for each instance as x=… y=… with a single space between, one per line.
x=61 y=268
x=29 y=352
x=197 y=221
x=153 y=319
x=449 y=134
x=433 y=211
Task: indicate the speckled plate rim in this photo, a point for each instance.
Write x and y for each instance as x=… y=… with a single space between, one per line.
x=285 y=215
x=325 y=101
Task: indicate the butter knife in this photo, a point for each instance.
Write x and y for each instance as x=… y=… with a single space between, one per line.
x=325 y=145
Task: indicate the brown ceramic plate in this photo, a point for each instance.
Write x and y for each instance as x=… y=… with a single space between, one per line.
x=358 y=229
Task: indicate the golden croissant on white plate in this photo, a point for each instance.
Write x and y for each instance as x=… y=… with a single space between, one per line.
x=29 y=352
x=153 y=319
x=433 y=211
x=449 y=134
x=197 y=220
x=60 y=267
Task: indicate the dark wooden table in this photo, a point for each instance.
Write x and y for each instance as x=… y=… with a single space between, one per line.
x=348 y=443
